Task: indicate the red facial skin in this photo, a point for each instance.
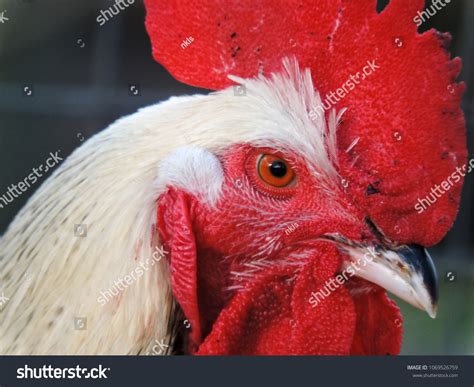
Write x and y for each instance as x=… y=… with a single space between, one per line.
x=244 y=271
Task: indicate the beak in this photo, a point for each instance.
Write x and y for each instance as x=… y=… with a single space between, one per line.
x=408 y=272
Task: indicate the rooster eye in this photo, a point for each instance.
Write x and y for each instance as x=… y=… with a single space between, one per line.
x=274 y=171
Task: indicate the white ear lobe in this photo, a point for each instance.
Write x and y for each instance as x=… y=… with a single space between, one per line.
x=193 y=169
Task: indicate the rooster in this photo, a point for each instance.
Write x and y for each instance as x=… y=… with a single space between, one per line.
x=241 y=222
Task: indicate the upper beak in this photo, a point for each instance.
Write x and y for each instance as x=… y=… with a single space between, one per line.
x=408 y=272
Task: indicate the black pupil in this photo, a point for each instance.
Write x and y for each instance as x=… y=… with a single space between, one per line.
x=278 y=169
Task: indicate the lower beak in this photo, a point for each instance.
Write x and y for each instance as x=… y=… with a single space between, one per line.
x=408 y=272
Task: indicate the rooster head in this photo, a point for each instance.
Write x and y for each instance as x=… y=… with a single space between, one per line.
x=260 y=229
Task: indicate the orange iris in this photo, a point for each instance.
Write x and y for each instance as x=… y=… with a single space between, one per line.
x=275 y=171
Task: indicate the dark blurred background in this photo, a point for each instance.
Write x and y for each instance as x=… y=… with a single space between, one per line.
x=82 y=76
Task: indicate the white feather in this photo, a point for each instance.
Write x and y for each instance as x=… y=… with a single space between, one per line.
x=194 y=170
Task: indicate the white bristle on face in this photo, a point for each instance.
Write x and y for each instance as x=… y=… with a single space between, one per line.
x=111 y=185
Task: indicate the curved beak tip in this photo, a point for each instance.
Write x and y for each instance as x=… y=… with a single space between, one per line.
x=407 y=272
x=433 y=312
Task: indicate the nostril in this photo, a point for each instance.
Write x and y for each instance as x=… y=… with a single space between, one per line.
x=376 y=231
x=379 y=234
x=372 y=226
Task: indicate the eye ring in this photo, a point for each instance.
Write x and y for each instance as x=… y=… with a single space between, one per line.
x=274 y=170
